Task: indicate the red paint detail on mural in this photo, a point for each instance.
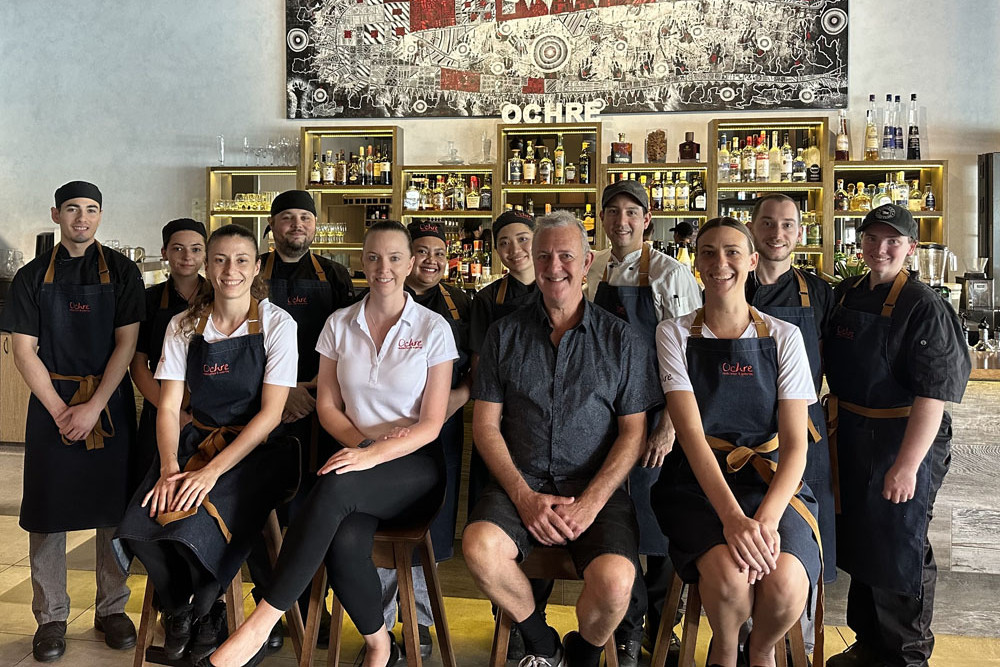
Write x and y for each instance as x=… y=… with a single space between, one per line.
x=453 y=79
x=534 y=85
x=347 y=34
x=400 y=32
x=427 y=14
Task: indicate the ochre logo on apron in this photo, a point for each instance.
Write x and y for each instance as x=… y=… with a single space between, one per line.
x=744 y=370
x=844 y=332
x=298 y=301
x=76 y=307
x=214 y=369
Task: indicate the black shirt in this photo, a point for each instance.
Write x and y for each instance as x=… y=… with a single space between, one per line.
x=927 y=351
x=336 y=274
x=785 y=293
x=561 y=405
x=151 y=331
x=20 y=314
x=433 y=299
x=485 y=310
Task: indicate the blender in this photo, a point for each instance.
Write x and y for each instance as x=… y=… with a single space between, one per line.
x=933 y=262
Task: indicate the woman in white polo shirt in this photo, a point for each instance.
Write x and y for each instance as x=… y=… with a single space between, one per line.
x=738 y=520
x=382 y=392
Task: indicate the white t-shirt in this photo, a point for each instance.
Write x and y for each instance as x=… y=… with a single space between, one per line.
x=668 y=279
x=383 y=388
x=280 y=346
x=794 y=376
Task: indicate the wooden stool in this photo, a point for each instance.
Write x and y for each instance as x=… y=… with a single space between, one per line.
x=146 y=654
x=692 y=617
x=393 y=549
x=541 y=563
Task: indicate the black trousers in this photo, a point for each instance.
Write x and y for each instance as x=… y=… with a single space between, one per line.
x=177 y=575
x=337 y=526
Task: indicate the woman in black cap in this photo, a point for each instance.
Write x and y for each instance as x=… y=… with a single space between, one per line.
x=184 y=251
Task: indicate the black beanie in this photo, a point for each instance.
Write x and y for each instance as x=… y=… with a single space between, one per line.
x=182 y=225
x=75 y=189
x=293 y=199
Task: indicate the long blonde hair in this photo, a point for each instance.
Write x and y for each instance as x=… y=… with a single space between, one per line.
x=206 y=293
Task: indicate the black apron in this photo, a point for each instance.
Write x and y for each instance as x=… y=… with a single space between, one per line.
x=735 y=383
x=84 y=484
x=879 y=542
x=145 y=450
x=817 y=475
x=226 y=380
x=635 y=306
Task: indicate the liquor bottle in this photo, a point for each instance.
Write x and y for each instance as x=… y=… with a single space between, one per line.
x=340 y=171
x=864 y=200
x=888 y=131
x=682 y=193
x=458 y=194
x=472 y=197
x=454 y=261
x=583 y=171
x=881 y=197
x=464 y=266
x=530 y=172
x=812 y=157
x=369 y=167
x=840 y=201
x=644 y=182
x=899 y=151
x=377 y=167
x=699 y=198
x=901 y=192
x=689 y=150
x=774 y=159
x=735 y=160
x=852 y=197
x=799 y=168
x=748 y=161
x=386 y=166
x=871 y=131
x=476 y=264
x=787 y=160
x=559 y=161
x=656 y=191
x=916 y=202
x=814 y=233
x=913 y=132
x=411 y=199
x=548 y=207
x=329 y=169
x=486 y=194
x=545 y=168
x=316 y=173
x=437 y=195
x=723 y=162
x=529 y=206
x=588 y=224
x=354 y=176
x=571 y=173
x=762 y=159
x=843 y=145
x=515 y=168
x=426 y=196
x=669 y=192
x=930 y=203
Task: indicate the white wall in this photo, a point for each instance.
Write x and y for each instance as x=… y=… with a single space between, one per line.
x=131 y=94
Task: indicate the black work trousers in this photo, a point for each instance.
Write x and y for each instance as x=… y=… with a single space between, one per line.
x=337 y=526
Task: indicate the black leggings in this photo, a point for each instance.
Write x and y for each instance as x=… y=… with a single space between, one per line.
x=337 y=526
x=177 y=575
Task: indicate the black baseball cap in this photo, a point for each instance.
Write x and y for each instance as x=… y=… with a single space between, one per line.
x=895 y=216
x=631 y=188
x=683 y=228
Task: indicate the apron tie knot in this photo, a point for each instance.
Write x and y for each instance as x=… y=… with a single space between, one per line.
x=86 y=388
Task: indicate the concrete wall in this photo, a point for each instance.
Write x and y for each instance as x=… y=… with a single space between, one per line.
x=131 y=95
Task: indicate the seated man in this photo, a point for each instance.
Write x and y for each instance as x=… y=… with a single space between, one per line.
x=562 y=392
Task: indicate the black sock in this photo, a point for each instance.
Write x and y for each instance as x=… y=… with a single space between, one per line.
x=581 y=652
x=539 y=638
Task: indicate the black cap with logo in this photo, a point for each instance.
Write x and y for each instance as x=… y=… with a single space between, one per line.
x=895 y=216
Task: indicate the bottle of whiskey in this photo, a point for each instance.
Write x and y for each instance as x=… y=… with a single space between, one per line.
x=583 y=171
x=930 y=202
x=369 y=167
x=459 y=196
x=354 y=175
x=571 y=173
x=559 y=161
x=530 y=172
x=515 y=168
x=689 y=150
x=426 y=195
x=377 y=168
x=329 y=169
x=871 y=130
x=437 y=195
x=699 y=198
x=588 y=224
x=545 y=167
x=476 y=262
x=840 y=201
x=843 y=144
x=316 y=173
x=486 y=194
x=916 y=202
x=340 y=172
x=472 y=198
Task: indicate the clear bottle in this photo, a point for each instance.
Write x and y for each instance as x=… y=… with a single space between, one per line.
x=871 y=130
x=656 y=191
x=888 y=131
x=900 y=193
x=571 y=173
x=843 y=145
x=669 y=192
x=735 y=159
x=426 y=198
x=411 y=199
x=840 y=200
x=881 y=196
x=930 y=202
x=748 y=161
x=852 y=200
x=329 y=169
x=437 y=195
x=762 y=160
x=899 y=150
x=864 y=200
x=913 y=131
x=316 y=173
x=682 y=193
x=369 y=166
x=559 y=161
x=583 y=170
x=916 y=202
x=723 y=162
x=787 y=160
x=545 y=168
x=774 y=159
x=458 y=194
x=530 y=172
x=799 y=168
x=515 y=168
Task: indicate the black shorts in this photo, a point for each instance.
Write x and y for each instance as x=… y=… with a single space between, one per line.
x=614 y=531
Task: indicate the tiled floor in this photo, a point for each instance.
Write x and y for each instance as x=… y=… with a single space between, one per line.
x=965 y=534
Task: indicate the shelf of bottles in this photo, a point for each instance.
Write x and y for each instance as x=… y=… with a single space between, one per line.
x=917 y=185
x=749 y=158
x=447 y=194
x=353 y=173
x=242 y=195
x=676 y=192
x=551 y=166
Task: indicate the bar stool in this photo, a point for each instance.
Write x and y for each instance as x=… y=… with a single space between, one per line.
x=393 y=549
x=692 y=618
x=541 y=563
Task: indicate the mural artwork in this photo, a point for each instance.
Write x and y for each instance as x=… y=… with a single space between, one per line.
x=411 y=58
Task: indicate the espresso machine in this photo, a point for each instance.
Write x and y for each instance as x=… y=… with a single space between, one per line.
x=980 y=285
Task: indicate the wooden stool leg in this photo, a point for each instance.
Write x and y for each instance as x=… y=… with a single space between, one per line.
x=819 y=639
x=146 y=625
x=437 y=602
x=611 y=652
x=501 y=638
x=315 y=613
x=234 y=603
x=336 y=626
x=404 y=576
x=663 y=635
x=780 y=657
x=692 y=617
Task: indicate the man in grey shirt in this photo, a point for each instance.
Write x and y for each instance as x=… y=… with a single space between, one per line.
x=562 y=392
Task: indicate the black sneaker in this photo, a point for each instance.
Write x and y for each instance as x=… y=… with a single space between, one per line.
x=177 y=632
x=208 y=632
x=424 y=638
